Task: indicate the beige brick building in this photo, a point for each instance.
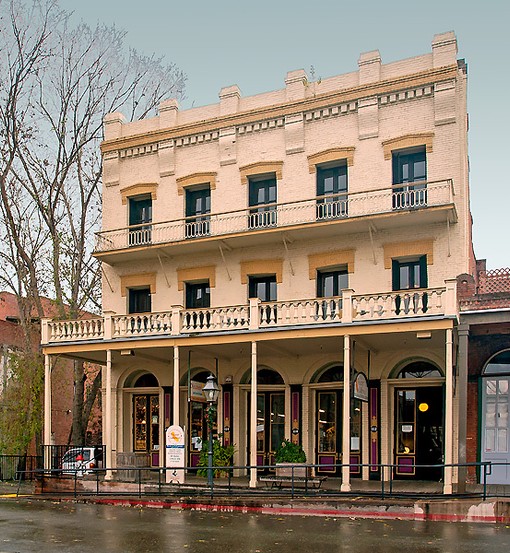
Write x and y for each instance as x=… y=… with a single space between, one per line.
x=277 y=241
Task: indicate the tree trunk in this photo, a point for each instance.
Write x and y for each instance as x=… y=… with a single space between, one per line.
x=78 y=432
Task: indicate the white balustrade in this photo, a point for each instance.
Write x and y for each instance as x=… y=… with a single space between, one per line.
x=75 y=330
x=398 y=305
x=350 y=308
x=215 y=319
x=298 y=312
x=142 y=324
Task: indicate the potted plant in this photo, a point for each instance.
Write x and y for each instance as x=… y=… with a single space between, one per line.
x=223 y=456
x=290 y=460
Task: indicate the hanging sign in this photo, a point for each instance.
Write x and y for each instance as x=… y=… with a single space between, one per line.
x=174 y=455
x=196 y=391
x=360 y=388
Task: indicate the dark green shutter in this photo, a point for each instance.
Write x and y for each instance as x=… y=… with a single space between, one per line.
x=423 y=272
x=395 y=270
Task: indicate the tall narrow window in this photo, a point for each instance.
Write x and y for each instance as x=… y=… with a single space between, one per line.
x=198 y=208
x=198 y=299
x=409 y=274
x=140 y=213
x=198 y=295
x=410 y=166
x=262 y=200
x=332 y=191
x=330 y=285
x=262 y=287
x=139 y=300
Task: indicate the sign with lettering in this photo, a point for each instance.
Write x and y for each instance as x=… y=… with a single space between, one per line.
x=360 y=390
x=175 y=454
x=196 y=391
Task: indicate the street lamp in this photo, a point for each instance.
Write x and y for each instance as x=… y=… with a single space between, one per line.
x=211 y=391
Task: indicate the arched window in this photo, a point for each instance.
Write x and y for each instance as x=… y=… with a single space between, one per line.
x=147 y=380
x=420 y=369
x=333 y=374
x=265 y=377
x=499 y=364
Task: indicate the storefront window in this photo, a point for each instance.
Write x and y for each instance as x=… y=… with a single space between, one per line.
x=356 y=425
x=406 y=400
x=326 y=418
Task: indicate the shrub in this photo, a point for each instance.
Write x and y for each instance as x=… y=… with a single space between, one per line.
x=290 y=452
x=223 y=456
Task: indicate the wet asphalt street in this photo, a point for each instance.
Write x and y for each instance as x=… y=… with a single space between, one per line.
x=40 y=526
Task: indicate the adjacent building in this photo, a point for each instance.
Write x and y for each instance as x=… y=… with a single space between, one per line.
x=303 y=245
x=484 y=371
x=12 y=340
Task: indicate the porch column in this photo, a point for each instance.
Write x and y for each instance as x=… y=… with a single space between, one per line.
x=448 y=418
x=462 y=366
x=47 y=412
x=176 y=398
x=346 y=423
x=253 y=417
x=108 y=415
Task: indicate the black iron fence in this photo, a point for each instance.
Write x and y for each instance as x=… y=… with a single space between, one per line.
x=300 y=480
x=19 y=467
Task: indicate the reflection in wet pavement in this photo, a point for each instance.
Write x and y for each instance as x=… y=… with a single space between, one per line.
x=28 y=526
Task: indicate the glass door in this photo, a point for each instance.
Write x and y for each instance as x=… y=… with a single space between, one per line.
x=146 y=425
x=197 y=431
x=329 y=431
x=419 y=432
x=270 y=426
x=496 y=428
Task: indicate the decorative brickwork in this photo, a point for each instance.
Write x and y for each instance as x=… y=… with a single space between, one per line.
x=141 y=279
x=490 y=290
x=494 y=281
x=194 y=179
x=330 y=259
x=408 y=141
x=139 y=190
x=405 y=249
x=197 y=274
x=262 y=267
x=333 y=154
x=261 y=168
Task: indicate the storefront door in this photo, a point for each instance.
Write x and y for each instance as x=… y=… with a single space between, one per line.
x=146 y=425
x=270 y=425
x=329 y=431
x=419 y=432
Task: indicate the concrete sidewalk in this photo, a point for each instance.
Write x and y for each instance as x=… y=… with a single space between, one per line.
x=410 y=500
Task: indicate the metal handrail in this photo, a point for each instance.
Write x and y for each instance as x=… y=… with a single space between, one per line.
x=349 y=197
x=231 y=484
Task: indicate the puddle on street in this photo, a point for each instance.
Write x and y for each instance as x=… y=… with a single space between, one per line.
x=41 y=527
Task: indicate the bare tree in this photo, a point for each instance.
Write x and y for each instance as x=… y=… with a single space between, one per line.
x=62 y=80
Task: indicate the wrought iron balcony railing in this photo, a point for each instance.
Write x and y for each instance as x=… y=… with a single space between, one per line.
x=316 y=210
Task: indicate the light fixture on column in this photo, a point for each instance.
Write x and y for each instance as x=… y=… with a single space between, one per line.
x=211 y=391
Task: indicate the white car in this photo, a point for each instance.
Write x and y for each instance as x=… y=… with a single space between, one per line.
x=82 y=460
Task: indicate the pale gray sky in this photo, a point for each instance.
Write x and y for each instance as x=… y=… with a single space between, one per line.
x=254 y=44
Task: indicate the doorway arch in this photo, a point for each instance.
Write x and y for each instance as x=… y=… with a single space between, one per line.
x=271 y=414
x=144 y=389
